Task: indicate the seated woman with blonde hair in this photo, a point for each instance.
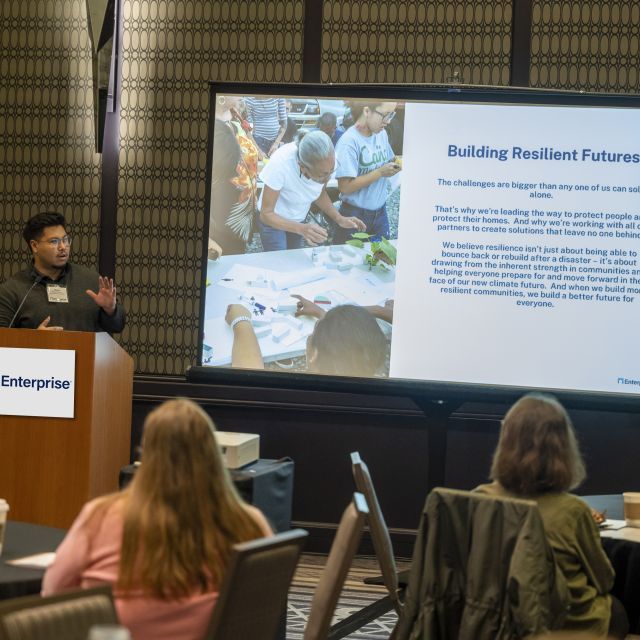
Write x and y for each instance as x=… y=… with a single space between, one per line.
x=538 y=458
x=164 y=542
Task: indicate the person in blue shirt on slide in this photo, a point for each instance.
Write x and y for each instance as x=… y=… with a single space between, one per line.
x=365 y=162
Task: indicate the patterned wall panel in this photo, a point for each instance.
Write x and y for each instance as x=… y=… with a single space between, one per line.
x=590 y=45
x=47 y=158
x=171 y=50
x=416 y=41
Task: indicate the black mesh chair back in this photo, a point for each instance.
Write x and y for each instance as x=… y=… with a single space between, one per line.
x=67 y=616
x=253 y=595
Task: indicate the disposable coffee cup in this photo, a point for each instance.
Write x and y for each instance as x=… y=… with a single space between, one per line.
x=632 y=508
x=4 y=509
x=108 y=632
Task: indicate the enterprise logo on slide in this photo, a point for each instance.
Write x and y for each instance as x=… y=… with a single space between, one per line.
x=629 y=381
x=37 y=382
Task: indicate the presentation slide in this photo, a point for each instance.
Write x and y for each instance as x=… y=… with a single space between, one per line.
x=518 y=247
x=509 y=255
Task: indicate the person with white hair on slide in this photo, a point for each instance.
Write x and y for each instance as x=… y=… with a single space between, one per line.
x=294 y=178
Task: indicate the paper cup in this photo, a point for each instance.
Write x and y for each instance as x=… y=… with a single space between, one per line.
x=108 y=632
x=632 y=508
x=4 y=509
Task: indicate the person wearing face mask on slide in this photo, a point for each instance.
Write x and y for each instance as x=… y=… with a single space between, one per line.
x=294 y=178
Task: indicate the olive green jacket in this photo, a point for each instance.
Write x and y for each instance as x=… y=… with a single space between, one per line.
x=575 y=540
x=481 y=569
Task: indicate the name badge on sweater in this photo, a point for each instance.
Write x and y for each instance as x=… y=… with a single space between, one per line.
x=57 y=293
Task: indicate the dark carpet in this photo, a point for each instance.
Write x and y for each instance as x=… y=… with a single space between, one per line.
x=355 y=596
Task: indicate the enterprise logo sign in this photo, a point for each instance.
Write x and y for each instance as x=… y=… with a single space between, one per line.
x=37 y=382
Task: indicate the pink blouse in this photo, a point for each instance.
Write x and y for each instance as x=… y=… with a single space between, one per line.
x=89 y=556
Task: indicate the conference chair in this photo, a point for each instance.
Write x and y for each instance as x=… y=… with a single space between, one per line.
x=67 y=616
x=482 y=569
x=343 y=550
x=253 y=594
x=394 y=582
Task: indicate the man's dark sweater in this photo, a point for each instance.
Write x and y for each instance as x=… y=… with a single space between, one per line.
x=81 y=313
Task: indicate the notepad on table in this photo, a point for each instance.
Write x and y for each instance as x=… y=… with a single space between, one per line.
x=35 y=561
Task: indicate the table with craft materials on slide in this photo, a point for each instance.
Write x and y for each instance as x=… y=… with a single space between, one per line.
x=263 y=283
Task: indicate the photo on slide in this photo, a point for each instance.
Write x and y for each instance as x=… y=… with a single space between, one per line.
x=303 y=217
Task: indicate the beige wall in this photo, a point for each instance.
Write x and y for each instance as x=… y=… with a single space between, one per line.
x=416 y=41
x=46 y=125
x=591 y=45
x=172 y=50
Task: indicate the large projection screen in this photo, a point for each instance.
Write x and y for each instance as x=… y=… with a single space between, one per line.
x=515 y=219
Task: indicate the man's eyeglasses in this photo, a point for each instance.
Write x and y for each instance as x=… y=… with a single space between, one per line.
x=386 y=117
x=56 y=242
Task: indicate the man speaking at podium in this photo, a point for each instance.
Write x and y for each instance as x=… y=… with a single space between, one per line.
x=53 y=293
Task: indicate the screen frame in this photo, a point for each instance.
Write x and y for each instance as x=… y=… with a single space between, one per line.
x=437 y=391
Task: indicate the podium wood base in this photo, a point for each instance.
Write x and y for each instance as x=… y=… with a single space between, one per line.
x=51 y=466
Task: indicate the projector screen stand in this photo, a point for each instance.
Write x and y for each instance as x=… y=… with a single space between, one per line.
x=436 y=413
